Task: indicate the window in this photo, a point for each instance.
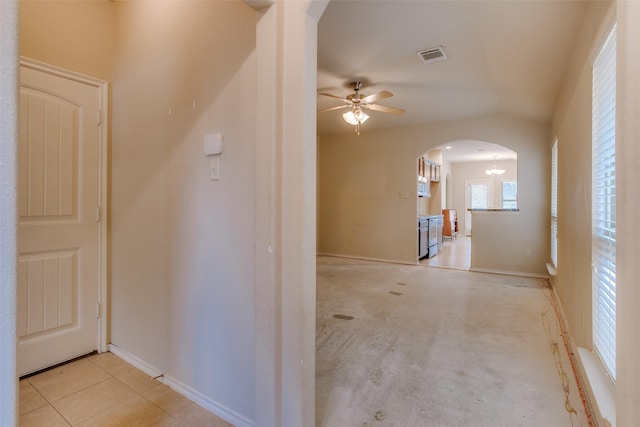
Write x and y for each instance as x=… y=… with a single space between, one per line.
x=554 y=203
x=509 y=194
x=479 y=196
x=603 y=201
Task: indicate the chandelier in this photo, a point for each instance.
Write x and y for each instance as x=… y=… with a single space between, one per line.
x=494 y=171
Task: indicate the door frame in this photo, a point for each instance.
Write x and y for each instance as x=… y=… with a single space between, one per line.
x=102 y=310
x=467 y=200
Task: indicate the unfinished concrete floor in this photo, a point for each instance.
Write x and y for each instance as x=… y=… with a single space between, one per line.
x=411 y=346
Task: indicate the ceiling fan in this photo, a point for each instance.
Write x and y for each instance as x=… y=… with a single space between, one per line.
x=356 y=102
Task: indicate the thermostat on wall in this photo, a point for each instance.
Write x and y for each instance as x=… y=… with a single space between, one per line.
x=212 y=144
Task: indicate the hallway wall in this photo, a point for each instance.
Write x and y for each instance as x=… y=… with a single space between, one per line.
x=183 y=250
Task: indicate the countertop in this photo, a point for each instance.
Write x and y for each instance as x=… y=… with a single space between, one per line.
x=429 y=216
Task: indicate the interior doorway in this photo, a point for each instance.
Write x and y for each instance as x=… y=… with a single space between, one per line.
x=61 y=225
x=478 y=195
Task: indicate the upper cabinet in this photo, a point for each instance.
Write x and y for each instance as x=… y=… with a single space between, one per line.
x=428 y=172
x=435 y=172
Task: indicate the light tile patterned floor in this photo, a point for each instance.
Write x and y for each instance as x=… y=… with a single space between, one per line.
x=103 y=390
x=454 y=253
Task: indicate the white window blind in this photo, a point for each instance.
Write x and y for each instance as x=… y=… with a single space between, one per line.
x=603 y=200
x=554 y=204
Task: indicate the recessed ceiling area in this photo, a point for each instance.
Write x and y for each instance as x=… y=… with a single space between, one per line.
x=503 y=57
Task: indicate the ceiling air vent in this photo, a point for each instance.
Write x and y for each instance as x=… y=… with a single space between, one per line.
x=432 y=55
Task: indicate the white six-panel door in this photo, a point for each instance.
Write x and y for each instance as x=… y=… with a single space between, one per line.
x=58 y=188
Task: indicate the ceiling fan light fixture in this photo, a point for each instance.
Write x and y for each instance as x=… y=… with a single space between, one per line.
x=356 y=102
x=355 y=117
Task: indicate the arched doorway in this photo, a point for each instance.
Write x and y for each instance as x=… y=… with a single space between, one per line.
x=477 y=175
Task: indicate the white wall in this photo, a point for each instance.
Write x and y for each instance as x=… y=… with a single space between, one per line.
x=8 y=211
x=183 y=246
x=362 y=213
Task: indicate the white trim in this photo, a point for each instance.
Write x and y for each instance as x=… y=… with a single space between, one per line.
x=364 y=258
x=103 y=154
x=210 y=405
x=8 y=208
x=145 y=367
x=191 y=394
x=61 y=72
x=510 y=273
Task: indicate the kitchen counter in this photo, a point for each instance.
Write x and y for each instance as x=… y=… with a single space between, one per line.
x=429 y=216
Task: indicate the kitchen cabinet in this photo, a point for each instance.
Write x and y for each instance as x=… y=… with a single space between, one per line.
x=450 y=226
x=424 y=175
x=435 y=172
x=429 y=235
x=428 y=172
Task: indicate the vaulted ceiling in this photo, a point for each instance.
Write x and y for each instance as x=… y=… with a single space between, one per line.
x=506 y=56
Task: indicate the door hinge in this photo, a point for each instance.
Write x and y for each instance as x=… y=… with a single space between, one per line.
x=99 y=117
x=98 y=214
x=98 y=310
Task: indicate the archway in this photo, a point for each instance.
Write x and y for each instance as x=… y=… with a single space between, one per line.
x=477 y=175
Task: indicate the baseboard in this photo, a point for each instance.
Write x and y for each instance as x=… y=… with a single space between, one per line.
x=191 y=394
x=364 y=258
x=136 y=362
x=509 y=273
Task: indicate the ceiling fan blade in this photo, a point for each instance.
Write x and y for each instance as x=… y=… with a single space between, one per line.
x=385 y=109
x=374 y=97
x=333 y=108
x=333 y=96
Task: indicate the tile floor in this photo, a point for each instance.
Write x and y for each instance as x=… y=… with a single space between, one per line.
x=104 y=390
x=454 y=253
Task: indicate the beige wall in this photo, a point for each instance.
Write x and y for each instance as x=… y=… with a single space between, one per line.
x=76 y=35
x=363 y=178
x=572 y=126
x=182 y=245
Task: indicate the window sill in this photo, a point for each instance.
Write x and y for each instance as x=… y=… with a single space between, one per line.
x=601 y=384
x=552 y=270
